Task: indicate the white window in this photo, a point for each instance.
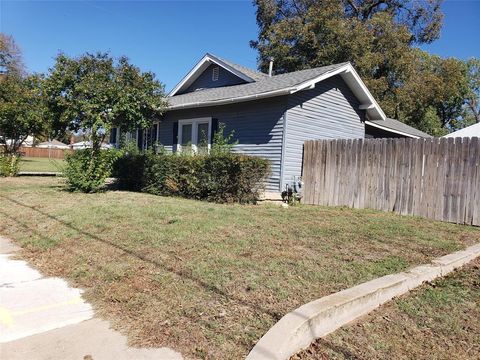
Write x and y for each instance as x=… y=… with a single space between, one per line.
x=215 y=72
x=195 y=133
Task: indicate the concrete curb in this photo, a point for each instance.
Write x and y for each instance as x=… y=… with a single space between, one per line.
x=299 y=328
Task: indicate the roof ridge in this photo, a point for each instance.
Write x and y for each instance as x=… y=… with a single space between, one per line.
x=314 y=68
x=241 y=68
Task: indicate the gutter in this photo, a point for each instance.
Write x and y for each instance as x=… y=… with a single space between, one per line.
x=233 y=100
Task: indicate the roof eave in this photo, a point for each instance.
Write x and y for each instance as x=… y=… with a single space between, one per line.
x=360 y=90
x=234 y=100
x=392 y=130
x=356 y=84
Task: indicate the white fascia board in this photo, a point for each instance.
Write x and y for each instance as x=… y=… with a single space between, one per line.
x=360 y=90
x=366 y=106
x=310 y=84
x=391 y=130
x=202 y=65
x=189 y=75
x=357 y=86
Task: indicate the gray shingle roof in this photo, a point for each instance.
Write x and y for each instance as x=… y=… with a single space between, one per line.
x=400 y=126
x=255 y=75
x=263 y=85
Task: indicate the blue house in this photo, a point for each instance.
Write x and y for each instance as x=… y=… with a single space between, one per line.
x=271 y=115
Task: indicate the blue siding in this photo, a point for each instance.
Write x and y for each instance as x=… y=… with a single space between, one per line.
x=257 y=125
x=204 y=81
x=329 y=111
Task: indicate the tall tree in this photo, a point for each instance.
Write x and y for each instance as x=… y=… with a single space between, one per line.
x=11 y=60
x=432 y=99
x=93 y=93
x=21 y=111
x=21 y=105
x=378 y=38
x=473 y=97
x=302 y=33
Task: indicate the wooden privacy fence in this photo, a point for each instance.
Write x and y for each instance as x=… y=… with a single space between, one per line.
x=44 y=152
x=433 y=178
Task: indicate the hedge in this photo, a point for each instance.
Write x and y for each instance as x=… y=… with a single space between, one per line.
x=225 y=177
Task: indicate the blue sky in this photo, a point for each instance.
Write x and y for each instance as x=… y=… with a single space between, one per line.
x=168 y=37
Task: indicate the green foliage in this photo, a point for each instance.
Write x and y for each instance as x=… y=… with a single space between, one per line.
x=473 y=97
x=433 y=97
x=222 y=144
x=9 y=165
x=129 y=170
x=220 y=177
x=94 y=93
x=314 y=33
x=379 y=38
x=11 y=61
x=21 y=105
x=87 y=173
x=129 y=146
x=21 y=110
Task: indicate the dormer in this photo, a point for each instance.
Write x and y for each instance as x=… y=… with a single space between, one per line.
x=212 y=72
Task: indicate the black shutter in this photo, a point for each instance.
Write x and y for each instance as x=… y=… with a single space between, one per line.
x=214 y=128
x=140 y=138
x=113 y=135
x=154 y=134
x=175 y=136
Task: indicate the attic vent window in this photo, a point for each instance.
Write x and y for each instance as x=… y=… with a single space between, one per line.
x=215 y=72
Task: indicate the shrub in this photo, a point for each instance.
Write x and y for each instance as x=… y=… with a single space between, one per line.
x=9 y=165
x=86 y=171
x=220 y=177
x=129 y=170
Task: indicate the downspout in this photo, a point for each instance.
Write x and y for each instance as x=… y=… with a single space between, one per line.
x=284 y=141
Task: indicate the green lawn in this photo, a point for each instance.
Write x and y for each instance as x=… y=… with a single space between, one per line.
x=436 y=321
x=206 y=279
x=34 y=164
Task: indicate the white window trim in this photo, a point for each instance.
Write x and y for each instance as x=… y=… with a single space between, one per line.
x=194 y=123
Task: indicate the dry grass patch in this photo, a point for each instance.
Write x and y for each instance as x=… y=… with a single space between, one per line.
x=206 y=279
x=34 y=164
x=437 y=321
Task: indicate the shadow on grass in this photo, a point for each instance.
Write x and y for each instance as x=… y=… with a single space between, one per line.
x=209 y=287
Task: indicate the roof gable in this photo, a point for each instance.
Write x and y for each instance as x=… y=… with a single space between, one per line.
x=238 y=71
x=213 y=76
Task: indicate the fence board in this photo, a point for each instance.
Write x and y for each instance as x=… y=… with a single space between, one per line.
x=44 y=152
x=434 y=178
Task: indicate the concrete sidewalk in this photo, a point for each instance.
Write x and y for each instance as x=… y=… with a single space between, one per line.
x=44 y=318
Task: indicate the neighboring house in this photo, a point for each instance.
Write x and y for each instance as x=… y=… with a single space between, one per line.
x=28 y=142
x=469 y=131
x=271 y=116
x=53 y=144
